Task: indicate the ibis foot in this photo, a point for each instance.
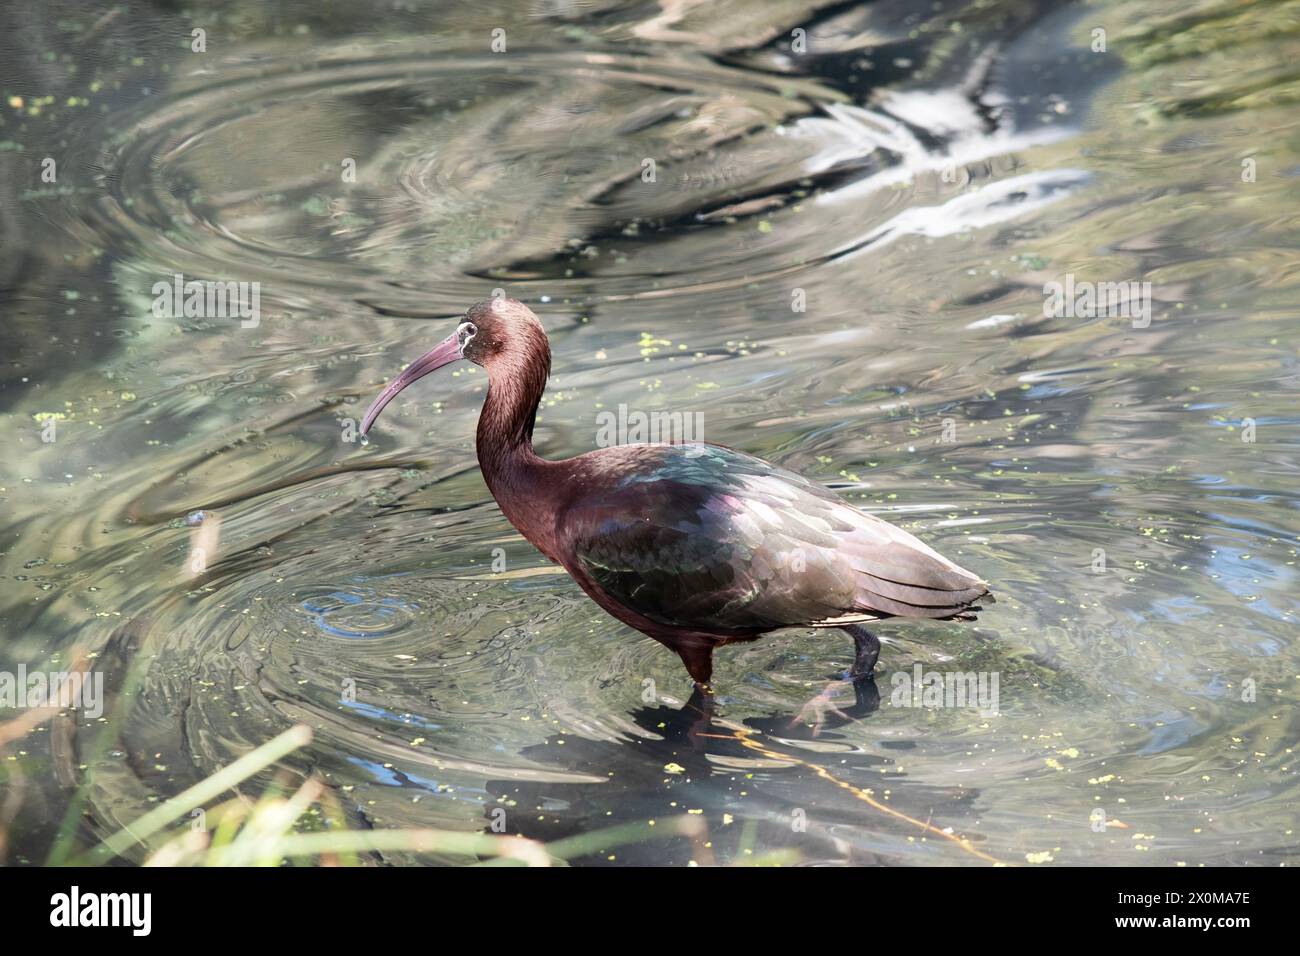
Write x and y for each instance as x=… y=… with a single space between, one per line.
x=813 y=714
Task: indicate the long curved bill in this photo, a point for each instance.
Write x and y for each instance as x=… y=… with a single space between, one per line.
x=444 y=353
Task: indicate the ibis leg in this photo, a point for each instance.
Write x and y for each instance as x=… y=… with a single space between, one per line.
x=868 y=650
x=698 y=659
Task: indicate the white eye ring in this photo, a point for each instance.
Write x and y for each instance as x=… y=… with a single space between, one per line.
x=465 y=334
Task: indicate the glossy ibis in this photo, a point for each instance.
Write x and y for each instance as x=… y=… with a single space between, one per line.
x=695 y=545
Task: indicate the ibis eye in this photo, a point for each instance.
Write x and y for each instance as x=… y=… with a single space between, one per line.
x=466 y=332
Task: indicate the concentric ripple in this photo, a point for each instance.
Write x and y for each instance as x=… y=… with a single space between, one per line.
x=416 y=180
x=356 y=613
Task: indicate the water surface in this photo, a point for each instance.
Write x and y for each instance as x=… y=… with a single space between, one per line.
x=839 y=265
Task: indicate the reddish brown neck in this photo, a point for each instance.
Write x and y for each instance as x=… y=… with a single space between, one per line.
x=513 y=472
